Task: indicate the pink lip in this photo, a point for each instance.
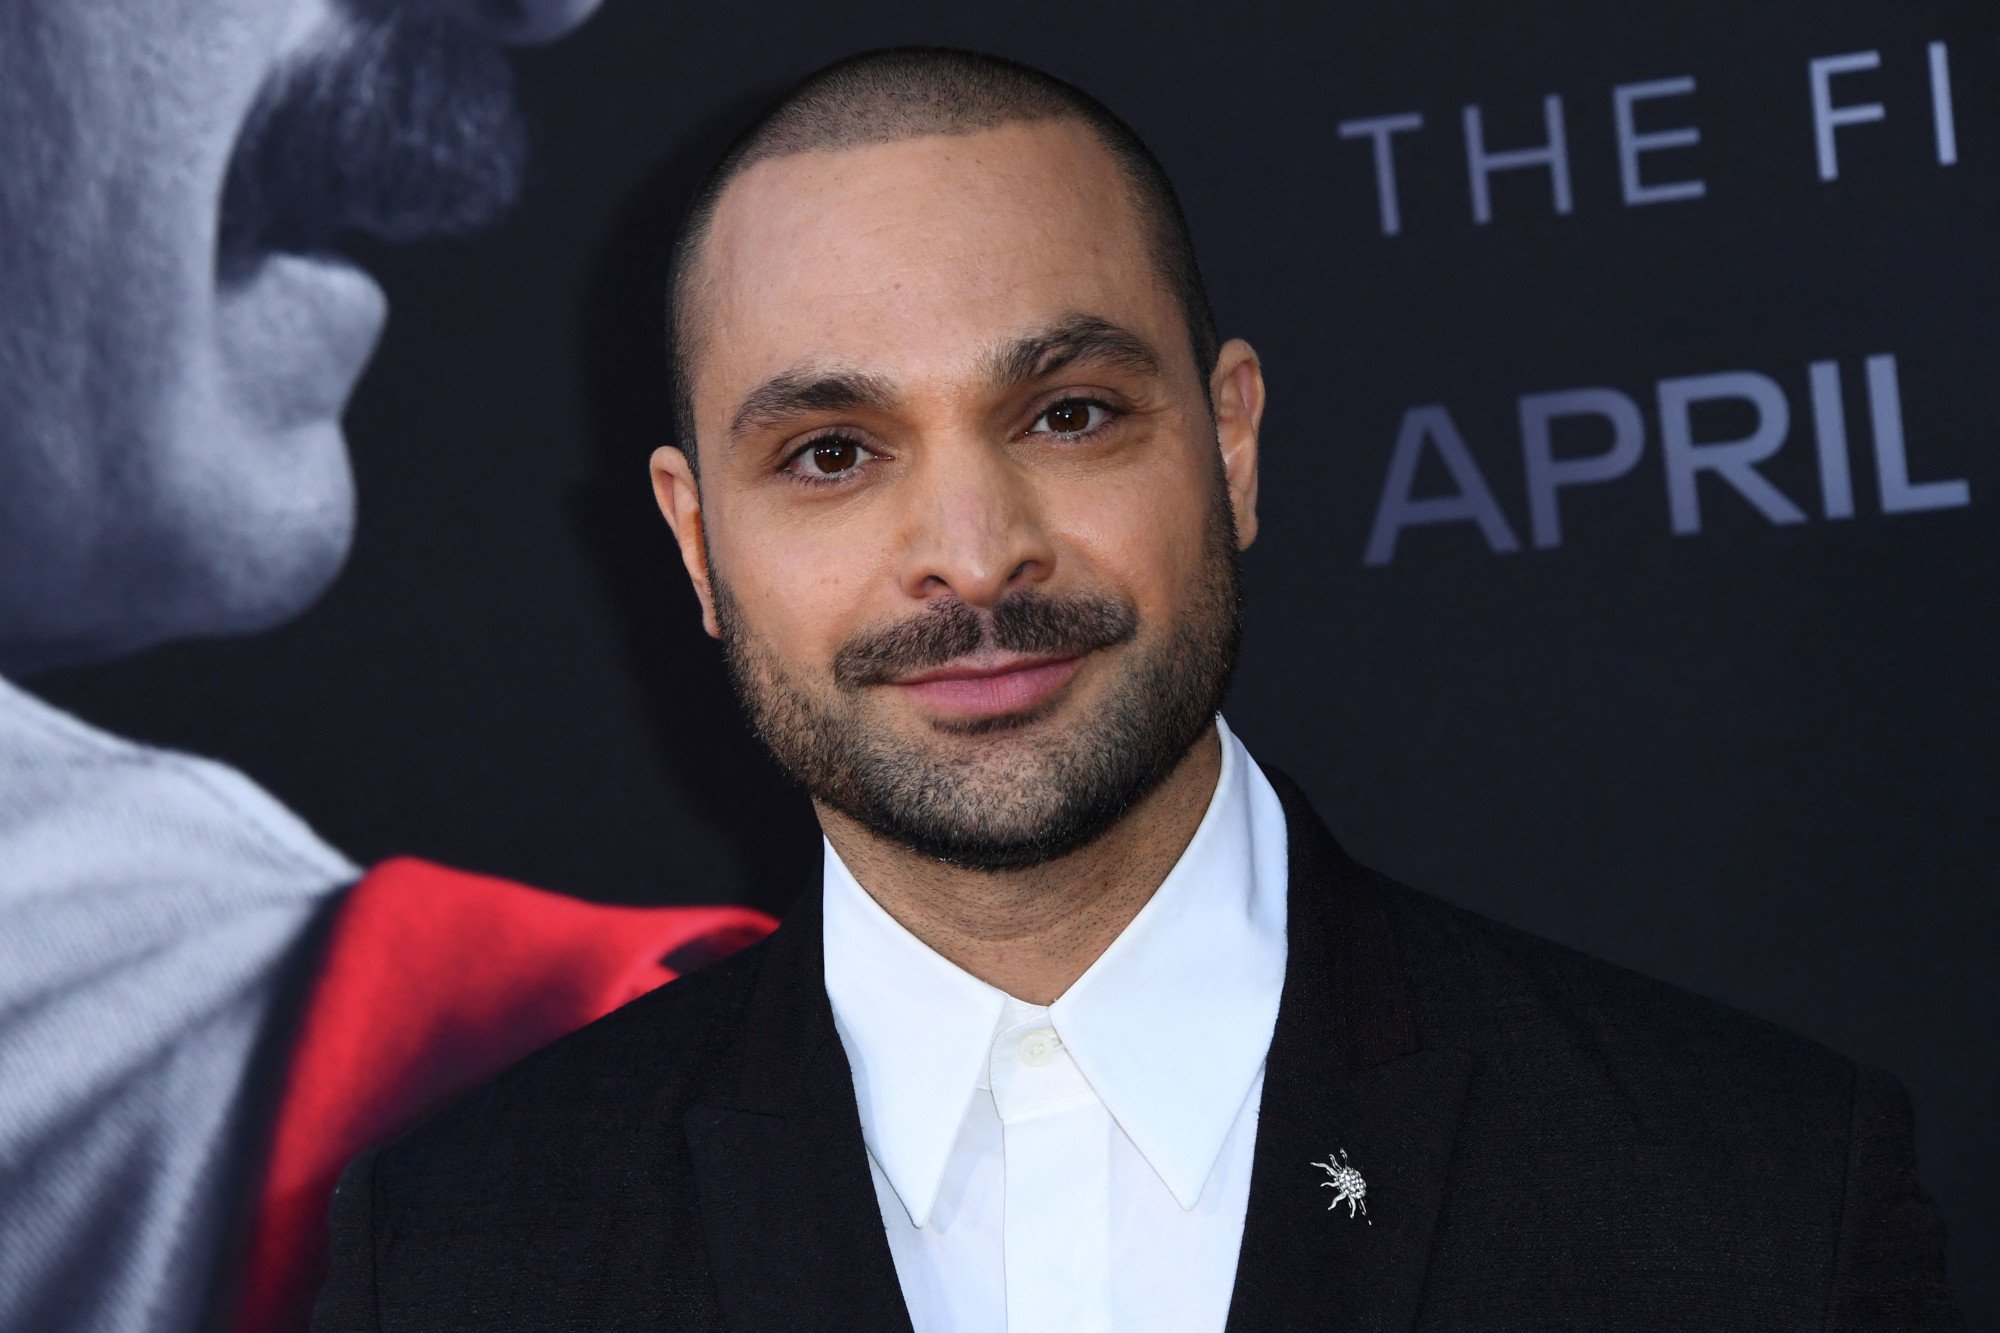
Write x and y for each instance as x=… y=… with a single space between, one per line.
x=973 y=689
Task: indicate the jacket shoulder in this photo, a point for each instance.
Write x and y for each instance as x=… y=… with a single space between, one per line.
x=644 y=1060
x=551 y=1188
x=1785 y=1168
x=1500 y=990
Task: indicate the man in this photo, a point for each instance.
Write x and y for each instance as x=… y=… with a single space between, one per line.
x=204 y=1009
x=1092 y=1025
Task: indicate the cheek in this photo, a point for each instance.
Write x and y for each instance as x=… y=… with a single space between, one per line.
x=799 y=589
x=1140 y=532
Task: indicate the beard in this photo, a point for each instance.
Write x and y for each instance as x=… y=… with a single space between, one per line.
x=1031 y=794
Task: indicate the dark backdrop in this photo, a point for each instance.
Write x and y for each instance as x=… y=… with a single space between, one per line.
x=1756 y=759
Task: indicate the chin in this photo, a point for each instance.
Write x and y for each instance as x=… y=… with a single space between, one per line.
x=244 y=558
x=264 y=568
x=291 y=578
x=228 y=552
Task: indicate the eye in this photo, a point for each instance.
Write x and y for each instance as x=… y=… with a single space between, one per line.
x=828 y=458
x=1072 y=417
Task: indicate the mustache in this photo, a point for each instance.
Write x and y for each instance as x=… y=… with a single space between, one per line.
x=405 y=129
x=1067 y=625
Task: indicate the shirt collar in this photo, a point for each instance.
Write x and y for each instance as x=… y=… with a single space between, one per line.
x=915 y=1027
x=1170 y=1025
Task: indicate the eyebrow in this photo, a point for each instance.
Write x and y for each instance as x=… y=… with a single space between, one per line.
x=1075 y=338
x=796 y=392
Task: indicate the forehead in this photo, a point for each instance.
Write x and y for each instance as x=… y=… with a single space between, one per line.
x=916 y=256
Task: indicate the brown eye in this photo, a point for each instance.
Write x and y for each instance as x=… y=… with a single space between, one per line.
x=1069 y=418
x=829 y=458
x=1073 y=416
x=835 y=455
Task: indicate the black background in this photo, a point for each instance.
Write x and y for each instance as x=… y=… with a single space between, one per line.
x=1757 y=761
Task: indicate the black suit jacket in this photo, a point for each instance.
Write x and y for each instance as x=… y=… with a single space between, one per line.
x=1548 y=1142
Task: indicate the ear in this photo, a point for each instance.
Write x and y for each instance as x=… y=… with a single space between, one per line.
x=680 y=500
x=1237 y=390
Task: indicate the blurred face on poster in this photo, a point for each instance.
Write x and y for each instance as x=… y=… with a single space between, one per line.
x=179 y=333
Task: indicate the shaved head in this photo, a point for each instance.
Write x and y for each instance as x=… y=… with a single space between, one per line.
x=891 y=95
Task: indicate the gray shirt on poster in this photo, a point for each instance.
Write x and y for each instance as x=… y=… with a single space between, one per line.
x=149 y=904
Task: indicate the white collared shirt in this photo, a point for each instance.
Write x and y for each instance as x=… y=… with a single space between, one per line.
x=1085 y=1165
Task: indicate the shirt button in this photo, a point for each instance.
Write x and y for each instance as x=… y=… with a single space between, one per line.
x=1039 y=1048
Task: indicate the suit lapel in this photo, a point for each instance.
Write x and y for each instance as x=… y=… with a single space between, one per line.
x=795 y=1235
x=1346 y=1071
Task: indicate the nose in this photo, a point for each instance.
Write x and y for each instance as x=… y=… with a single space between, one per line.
x=972 y=528
x=525 y=22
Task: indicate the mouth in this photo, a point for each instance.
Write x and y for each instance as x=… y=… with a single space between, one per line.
x=988 y=687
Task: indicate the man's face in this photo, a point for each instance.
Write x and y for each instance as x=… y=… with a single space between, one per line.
x=173 y=367
x=962 y=523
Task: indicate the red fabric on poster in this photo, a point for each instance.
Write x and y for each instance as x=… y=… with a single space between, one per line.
x=433 y=980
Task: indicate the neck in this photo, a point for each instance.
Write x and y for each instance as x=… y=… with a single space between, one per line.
x=1031 y=932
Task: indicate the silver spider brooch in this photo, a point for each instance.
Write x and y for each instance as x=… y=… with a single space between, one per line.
x=1347 y=1185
